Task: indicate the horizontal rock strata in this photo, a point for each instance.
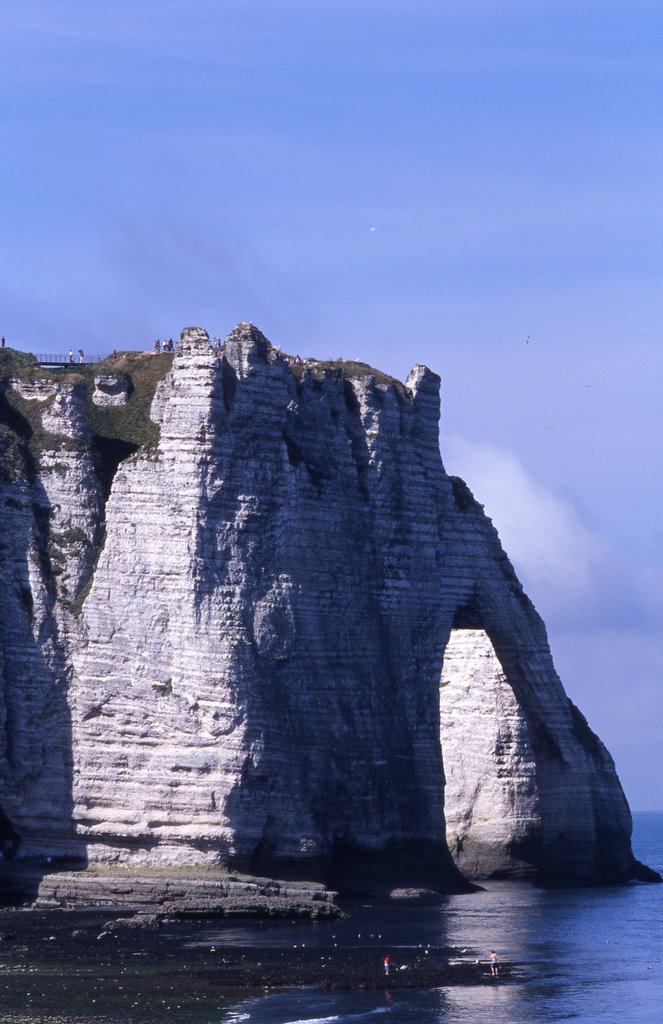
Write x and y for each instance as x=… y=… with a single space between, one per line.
x=172 y=893
x=226 y=647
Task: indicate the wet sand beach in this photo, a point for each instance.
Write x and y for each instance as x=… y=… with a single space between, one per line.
x=93 y=966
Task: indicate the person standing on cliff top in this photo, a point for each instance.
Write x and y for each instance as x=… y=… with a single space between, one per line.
x=494 y=969
x=3 y=341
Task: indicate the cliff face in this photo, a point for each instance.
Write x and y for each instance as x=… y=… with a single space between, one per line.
x=263 y=626
x=254 y=677
x=52 y=516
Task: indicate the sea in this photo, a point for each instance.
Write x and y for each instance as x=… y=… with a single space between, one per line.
x=591 y=956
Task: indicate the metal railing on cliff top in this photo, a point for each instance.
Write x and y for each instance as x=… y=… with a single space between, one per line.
x=45 y=359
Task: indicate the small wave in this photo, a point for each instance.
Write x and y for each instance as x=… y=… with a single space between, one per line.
x=314 y=1020
x=345 y=1017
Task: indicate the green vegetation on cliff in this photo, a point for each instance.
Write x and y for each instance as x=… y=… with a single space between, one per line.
x=347 y=368
x=128 y=423
x=118 y=431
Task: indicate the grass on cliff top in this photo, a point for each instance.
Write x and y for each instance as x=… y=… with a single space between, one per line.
x=16 y=364
x=20 y=433
x=128 y=424
x=127 y=427
x=346 y=368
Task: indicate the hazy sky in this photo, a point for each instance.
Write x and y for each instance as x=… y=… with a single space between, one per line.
x=397 y=182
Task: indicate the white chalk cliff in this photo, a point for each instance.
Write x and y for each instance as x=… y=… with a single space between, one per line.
x=261 y=649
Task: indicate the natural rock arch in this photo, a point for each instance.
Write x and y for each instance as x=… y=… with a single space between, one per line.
x=253 y=679
x=491 y=798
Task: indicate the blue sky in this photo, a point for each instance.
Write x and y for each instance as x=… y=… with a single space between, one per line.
x=400 y=183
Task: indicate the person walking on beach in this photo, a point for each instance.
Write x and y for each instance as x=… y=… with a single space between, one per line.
x=386 y=965
x=494 y=969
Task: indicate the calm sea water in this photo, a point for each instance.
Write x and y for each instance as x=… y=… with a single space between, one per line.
x=587 y=955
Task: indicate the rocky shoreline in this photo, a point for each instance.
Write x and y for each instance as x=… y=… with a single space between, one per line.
x=155 y=895
x=83 y=965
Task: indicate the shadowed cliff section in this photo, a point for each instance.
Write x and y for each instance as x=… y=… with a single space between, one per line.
x=326 y=671
x=36 y=756
x=52 y=474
